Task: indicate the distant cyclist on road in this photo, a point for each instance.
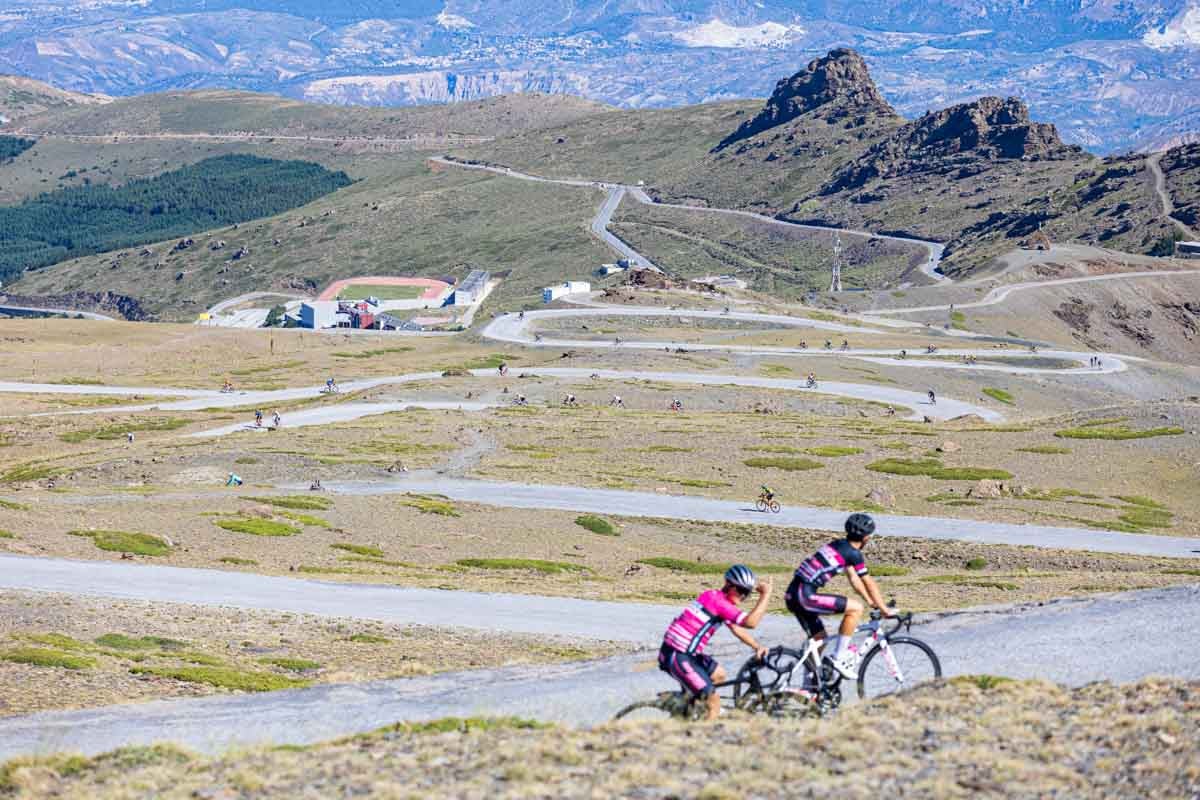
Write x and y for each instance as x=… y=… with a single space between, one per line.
x=258 y=418
x=682 y=653
x=806 y=600
x=932 y=398
x=811 y=383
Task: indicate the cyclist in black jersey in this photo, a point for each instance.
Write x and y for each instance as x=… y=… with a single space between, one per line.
x=805 y=598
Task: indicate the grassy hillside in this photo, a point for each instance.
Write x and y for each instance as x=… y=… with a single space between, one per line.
x=25 y=97
x=787 y=262
x=400 y=218
x=230 y=112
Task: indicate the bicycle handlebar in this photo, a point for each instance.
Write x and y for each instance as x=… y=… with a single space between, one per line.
x=902 y=621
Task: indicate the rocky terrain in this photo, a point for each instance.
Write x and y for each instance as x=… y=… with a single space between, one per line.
x=969 y=737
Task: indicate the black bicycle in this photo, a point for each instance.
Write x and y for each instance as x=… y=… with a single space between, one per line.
x=795 y=683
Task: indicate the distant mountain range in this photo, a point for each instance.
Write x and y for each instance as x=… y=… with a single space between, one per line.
x=1112 y=75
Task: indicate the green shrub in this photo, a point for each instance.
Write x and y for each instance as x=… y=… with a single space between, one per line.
x=933 y=468
x=224 y=678
x=7 y=534
x=707 y=567
x=784 y=463
x=976 y=563
x=291 y=664
x=245 y=460
x=257 y=527
x=983 y=682
x=1144 y=517
x=306 y=519
x=241 y=562
x=888 y=571
x=428 y=504
x=666 y=448
x=59 y=641
x=368 y=638
x=359 y=549
x=11 y=506
x=119 y=641
x=537 y=565
x=1000 y=395
x=833 y=451
x=140 y=544
x=596 y=525
x=110 y=432
x=41 y=657
x=295 y=502
x=29 y=473
x=1138 y=500
x=1117 y=433
x=1045 y=450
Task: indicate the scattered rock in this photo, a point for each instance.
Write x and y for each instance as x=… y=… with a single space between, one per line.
x=949 y=447
x=987 y=489
x=882 y=496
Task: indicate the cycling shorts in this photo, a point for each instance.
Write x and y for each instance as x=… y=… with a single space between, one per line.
x=808 y=604
x=694 y=672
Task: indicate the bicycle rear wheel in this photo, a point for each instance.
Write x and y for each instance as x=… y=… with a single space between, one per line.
x=757 y=678
x=903 y=663
x=760 y=505
x=785 y=704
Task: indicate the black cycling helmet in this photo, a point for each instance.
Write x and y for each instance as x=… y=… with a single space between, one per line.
x=859 y=527
x=742 y=577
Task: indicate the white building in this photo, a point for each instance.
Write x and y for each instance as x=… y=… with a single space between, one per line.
x=552 y=293
x=472 y=288
x=609 y=269
x=319 y=314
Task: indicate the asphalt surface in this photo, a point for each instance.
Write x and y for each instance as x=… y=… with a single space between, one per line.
x=70 y=312
x=672 y=506
x=1072 y=642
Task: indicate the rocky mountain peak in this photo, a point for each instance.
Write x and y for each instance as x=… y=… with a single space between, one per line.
x=839 y=84
x=966 y=136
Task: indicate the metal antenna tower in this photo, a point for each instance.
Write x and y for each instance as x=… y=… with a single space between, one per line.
x=836 y=284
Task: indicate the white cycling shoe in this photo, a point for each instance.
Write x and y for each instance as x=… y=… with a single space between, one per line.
x=846 y=664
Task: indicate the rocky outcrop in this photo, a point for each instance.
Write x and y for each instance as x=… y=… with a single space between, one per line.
x=96 y=302
x=839 y=85
x=961 y=140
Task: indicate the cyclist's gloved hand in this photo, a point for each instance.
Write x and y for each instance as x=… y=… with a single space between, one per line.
x=888 y=612
x=761 y=653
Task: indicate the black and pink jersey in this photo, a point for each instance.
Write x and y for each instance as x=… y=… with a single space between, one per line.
x=690 y=631
x=830 y=561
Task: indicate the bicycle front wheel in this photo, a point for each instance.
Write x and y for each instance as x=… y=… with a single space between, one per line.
x=774 y=506
x=661 y=708
x=898 y=663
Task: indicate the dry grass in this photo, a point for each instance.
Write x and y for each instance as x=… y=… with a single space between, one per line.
x=1100 y=741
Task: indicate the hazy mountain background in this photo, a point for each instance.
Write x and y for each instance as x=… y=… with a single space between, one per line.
x=1112 y=75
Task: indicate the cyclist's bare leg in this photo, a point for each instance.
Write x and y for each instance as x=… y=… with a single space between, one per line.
x=714 y=700
x=853 y=616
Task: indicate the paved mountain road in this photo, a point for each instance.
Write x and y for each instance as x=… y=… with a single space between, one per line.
x=674 y=506
x=617 y=192
x=1074 y=642
x=1154 y=162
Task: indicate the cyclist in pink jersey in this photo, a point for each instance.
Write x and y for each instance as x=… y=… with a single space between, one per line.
x=682 y=653
x=807 y=600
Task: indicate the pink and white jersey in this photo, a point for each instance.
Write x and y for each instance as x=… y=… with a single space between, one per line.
x=692 y=629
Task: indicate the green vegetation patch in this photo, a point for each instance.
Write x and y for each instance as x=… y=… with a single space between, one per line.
x=58 y=641
x=783 y=462
x=1045 y=450
x=976 y=563
x=291 y=664
x=110 y=432
x=972 y=581
x=382 y=351
x=833 y=451
x=138 y=544
x=368 y=638
x=43 y=657
x=306 y=519
x=1143 y=517
x=380 y=291
x=9 y=505
x=1139 y=500
x=534 y=564
x=257 y=527
x=7 y=534
x=773 y=448
x=236 y=561
x=933 y=468
x=224 y=678
x=296 y=502
x=1000 y=395
x=707 y=567
x=982 y=682
x=431 y=504
x=449 y=725
x=359 y=549
x=1118 y=433
x=888 y=571
x=13 y=146
x=34 y=471
x=209 y=194
x=119 y=641
x=596 y=525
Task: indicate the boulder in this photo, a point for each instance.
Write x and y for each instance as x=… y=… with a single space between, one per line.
x=949 y=447
x=882 y=496
x=987 y=489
